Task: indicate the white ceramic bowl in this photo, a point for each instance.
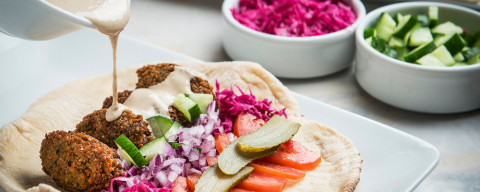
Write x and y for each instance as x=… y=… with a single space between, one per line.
x=38 y=20
x=291 y=57
x=415 y=87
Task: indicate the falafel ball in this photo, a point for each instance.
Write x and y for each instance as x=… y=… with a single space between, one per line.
x=122 y=97
x=129 y=124
x=79 y=162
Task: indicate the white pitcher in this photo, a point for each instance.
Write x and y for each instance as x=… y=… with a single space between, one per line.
x=38 y=20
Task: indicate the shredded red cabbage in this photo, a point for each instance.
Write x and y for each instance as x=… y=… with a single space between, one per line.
x=231 y=105
x=294 y=18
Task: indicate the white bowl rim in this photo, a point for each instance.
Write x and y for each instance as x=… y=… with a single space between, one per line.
x=73 y=17
x=373 y=15
x=331 y=37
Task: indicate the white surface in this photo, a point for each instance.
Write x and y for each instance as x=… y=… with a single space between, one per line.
x=291 y=57
x=415 y=87
x=393 y=160
x=38 y=20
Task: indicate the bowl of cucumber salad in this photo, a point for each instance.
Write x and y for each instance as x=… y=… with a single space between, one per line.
x=421 y=56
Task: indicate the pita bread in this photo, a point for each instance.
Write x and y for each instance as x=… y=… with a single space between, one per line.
x=63 y=108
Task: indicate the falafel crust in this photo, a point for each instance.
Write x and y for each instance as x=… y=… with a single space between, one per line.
x=122 y=97
x=79 y=162
x=131 y=125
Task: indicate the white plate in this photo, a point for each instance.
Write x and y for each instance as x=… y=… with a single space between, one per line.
x=393 y=160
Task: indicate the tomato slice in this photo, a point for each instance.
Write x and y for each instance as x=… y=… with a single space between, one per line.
x=192 y=181
x=294 y=154
x=259 y=182
x=211 y=160
x=221 y=141
x=246 y=123
x=238 y=190
x=277 y=170
x=180 y=184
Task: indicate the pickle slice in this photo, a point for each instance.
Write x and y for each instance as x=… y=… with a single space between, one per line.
x=232 y=159
x=213 y=179
x=276 y=131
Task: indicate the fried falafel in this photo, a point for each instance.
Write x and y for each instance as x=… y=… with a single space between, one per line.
x=129 y=124
x=79 y=162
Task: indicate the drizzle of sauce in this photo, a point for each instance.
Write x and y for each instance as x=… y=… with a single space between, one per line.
x=156 y=99
x=110 y=18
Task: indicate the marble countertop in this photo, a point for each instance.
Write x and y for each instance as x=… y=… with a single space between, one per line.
x=193 y=28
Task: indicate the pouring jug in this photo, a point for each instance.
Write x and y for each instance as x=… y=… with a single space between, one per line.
x=38 y=20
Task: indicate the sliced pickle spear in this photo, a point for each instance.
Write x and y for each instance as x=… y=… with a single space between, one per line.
x=276 y=131
x=213 y=179
x=232 y=159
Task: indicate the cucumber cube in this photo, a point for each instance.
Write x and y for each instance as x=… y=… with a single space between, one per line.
x=369 y=32
x=447 y=28
x=423 y=20
x=430 y=60
x=419 y=52
x=385 y=26
x=459 y=57
x=401 y=52
x=404 y=26
x=474 y=60
x=369 y=41
x=395 y=42
x=443 y=55
x=420 y=36
x=454 y=44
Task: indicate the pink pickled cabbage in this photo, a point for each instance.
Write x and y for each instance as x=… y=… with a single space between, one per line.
x=231 y=105
x=294 y=18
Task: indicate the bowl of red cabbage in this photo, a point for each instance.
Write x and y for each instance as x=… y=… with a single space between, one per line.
x=421 y=56
x=292 y=38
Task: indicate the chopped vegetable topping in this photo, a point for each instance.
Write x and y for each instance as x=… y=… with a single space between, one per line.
x=294 y=18
x=231 y=105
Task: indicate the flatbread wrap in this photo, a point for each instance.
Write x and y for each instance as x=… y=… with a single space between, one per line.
x=64 y=108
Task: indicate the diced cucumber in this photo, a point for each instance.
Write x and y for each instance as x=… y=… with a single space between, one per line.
x=443 y=55
x=407 y=36
x=369 y=32
x=398 y=17
x=470 y=52
x=468 y=38
x=454 y=44
x=369 y=41
x=475 y=42
x=190 y=109
x=460 y=64
x=395 y=42
x=423 y=20
x=420 y=36
x=447 y=28
x=160 y=124
x=384 y=32
x=459 y=57
x=203 y=100
x=173 y=130
x=152 y=148
x=379 y=44
x=433 y=16
x=385 y=26
x=401 y=52
x=129 y=152
x=390 y=52
x=419 y=52
x=430 y=60
x=475 y=59
x=404 y=26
